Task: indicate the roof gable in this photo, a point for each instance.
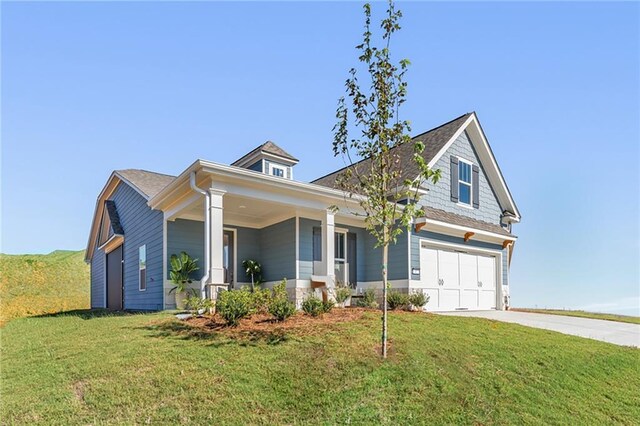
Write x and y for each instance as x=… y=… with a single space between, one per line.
x=268 y=147
x=437 y=141
x=434 y=140
x=145 y=182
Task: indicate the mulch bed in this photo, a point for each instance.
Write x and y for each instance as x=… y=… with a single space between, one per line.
x=264 y=324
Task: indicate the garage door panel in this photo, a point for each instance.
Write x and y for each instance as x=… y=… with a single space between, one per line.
x=429 y=267
x=448 y=269
x=487 y=272
x=487 y=300
x=468 y=271
x=469 y=299
x=449 y=299
x=434 y=299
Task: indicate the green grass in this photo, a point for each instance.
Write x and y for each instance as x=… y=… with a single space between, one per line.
x=99 y=369
x=583 y=314
x=33 y=284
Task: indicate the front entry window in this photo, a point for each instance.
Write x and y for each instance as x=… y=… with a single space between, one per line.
x=340 y=257
x=227 y=257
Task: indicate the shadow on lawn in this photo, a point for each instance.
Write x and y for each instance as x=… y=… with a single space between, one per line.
x=87 y=314
x=215 y=337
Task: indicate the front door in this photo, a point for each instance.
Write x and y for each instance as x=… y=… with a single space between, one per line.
x=228 y=260
x=114 y=279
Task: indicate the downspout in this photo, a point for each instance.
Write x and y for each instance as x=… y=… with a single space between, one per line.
x=207 y=233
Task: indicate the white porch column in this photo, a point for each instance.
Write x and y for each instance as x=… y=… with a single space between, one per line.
x=216 y=274
x=328 y=243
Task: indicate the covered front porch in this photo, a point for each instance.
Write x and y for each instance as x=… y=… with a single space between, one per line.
x=292 y=233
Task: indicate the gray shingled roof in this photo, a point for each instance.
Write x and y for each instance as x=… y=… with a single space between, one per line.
x=114 y=218
x=268 y=147
x=434 y=140
x=149 y=183
x=456 y=219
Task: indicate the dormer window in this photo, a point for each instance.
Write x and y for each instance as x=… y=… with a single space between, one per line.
x=464 y=182
x=269 y=159
x=276 y=170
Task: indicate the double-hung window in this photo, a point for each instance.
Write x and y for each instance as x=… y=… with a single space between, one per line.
x=464 y=182
x=340 y=256
x=276 y=170
x=142 y=267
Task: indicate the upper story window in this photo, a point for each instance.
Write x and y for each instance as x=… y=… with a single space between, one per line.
x=464 y=182
x=277 y=171
x=142 y=267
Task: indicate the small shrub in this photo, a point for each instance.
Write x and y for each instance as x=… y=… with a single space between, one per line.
x=327 y=306
x=342 y=294
x=397 y=300
x=279 y=305
x=233 y=305
x=312 y=306
x=196 y=304
x=419 y=299
x=260 y=301
x=368 y=299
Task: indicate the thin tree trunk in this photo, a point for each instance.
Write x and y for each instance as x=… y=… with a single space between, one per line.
x=385 y=256
x=252 y=286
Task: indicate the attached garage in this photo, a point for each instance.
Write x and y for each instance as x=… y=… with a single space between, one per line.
x=459 y=279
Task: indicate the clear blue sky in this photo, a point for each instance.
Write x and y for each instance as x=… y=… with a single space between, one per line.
x=91 y=87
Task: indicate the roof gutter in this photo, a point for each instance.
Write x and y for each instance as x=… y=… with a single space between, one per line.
x=207 y=234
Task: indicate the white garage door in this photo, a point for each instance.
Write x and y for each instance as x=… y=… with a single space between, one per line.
x=455 y=280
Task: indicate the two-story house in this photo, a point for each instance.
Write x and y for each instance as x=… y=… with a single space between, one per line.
x=459 y=252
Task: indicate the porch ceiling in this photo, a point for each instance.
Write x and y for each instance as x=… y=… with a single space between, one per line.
x=242 y=211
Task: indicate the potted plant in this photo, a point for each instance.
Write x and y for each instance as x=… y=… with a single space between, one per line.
x=343 y=295
x=181 y=269
x=253 y=269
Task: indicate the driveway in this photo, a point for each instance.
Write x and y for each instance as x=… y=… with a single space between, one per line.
x=618 y=333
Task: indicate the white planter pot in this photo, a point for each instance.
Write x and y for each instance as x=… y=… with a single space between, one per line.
x=180 y=299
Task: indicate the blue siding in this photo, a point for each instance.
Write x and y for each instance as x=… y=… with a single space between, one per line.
x=398 y=259
x=439 y=195
x=278 y=251
x=188 y=236
x=305 y=254
x=257 y=166
x=141 y=226
x=248 y=247
x=415 y=250
x=97 y=279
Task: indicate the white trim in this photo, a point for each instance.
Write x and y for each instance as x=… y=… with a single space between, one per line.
x=298 y=247
x=164 y=260
x=280 y=167
x=235 y=253
x=251 y=176
x=408 y=232
x=466 y=229
x=140 y=269
x=446 y=146
x=114 y=241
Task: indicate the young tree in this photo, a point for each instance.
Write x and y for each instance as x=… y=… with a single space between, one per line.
x=375 y=144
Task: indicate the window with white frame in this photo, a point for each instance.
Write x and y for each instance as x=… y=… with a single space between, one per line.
x=142 y=267
x=277 y=170
x=340 y=256
x=464 y=182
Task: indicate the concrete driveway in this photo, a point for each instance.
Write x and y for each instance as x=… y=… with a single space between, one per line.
x=618 y=333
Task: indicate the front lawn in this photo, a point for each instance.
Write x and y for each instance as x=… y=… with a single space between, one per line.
x=583 y=314
x=150 y=368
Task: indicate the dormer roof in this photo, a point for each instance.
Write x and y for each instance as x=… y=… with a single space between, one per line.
x=267 y=149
